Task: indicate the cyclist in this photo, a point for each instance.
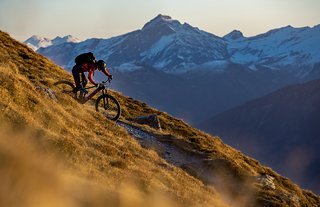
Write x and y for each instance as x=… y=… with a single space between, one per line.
x=86 y=63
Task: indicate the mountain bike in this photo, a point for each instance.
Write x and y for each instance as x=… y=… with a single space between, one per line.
x=105 y=103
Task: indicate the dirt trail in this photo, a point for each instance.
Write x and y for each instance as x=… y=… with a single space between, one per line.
x=166 y=149
x=213 y=172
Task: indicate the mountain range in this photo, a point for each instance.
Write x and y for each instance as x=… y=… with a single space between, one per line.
x=217 y=72
x=172 y=47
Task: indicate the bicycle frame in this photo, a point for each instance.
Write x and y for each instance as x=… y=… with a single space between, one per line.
x=83 y=98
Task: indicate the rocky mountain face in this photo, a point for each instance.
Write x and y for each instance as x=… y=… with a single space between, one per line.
x=280 y=129
x=235 y=35
x=294 y=49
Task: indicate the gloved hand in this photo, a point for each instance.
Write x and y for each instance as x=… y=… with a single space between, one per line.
x=110 y=77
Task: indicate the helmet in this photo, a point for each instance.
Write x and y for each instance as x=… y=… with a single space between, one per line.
x=101 y=65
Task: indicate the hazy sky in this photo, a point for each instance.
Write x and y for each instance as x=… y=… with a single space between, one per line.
x=106 y=18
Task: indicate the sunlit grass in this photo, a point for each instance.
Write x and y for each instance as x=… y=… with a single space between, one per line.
x=92 y=150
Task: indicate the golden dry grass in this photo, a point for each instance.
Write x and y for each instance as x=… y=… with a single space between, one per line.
x=32 y=177
x=101 y=162
x=93 y=150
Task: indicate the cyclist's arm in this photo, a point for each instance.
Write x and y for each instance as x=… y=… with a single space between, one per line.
x=106 y=72
x=90 y=77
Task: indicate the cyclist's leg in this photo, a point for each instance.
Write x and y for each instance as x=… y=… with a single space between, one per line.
x=84 y=80
x=83 y=83
x=76 y=77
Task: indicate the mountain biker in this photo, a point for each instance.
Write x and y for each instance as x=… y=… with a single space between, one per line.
x=86 y=63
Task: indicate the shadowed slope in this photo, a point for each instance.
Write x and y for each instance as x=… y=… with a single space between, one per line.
x=280 y=129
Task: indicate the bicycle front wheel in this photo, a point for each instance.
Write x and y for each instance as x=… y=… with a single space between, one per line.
x=109 y=106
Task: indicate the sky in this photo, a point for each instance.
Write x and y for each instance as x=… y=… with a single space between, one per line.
x=106 y=18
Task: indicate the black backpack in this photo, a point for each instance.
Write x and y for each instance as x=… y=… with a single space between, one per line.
x=85 y=58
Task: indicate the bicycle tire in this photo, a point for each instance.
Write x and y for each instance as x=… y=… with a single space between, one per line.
x=109 y=106
x=64 y=86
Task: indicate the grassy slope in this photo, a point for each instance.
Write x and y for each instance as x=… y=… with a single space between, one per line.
x=101 y=153
x=94 y=150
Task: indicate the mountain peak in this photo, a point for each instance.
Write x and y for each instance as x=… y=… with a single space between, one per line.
x=288 y=27
x=37 y=38
x=67 y=38
x=162 y=20
x=35 y=42
x=163 y=17
x=234 y=35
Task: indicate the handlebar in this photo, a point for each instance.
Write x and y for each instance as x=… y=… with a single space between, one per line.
x=104 y=83
x=107 y=81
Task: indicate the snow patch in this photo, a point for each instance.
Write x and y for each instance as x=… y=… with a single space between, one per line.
x=128 y=67
x=253 y=67
x=158 y=46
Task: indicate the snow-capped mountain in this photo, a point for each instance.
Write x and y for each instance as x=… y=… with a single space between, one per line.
x=69 y=38
x=222 y=72
x=162 y=43
x=296 y=48
x=167 y=45
x=35 y=42
x=179 y=47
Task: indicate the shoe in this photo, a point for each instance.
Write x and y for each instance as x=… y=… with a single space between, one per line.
x=83 y=90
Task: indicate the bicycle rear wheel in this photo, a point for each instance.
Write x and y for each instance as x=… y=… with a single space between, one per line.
x=109 y=106
x=64 y=87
